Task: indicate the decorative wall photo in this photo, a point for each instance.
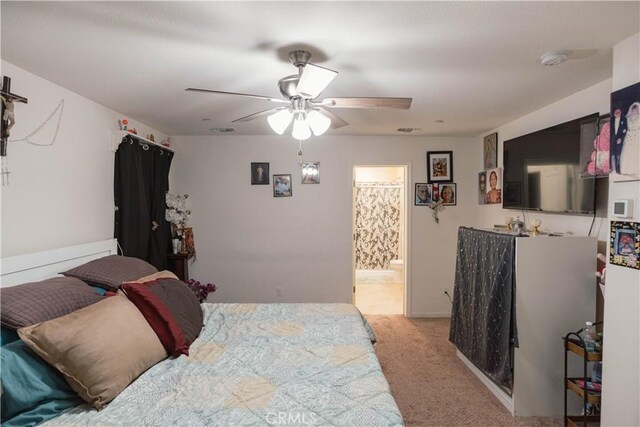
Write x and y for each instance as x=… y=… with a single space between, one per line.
x=625 y=134
x=490 y=150
x=423 y=194
x=259 y=173
x=494 y=194
x=624 y=244
x=482 y=188
x=282 y=186
x=439 y=166
x=448 y=194
x=311 y=172
x=595 y=152
x=188 y=244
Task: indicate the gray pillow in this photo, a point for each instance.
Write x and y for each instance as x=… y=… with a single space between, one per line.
x=31 y=303
x=111 y=271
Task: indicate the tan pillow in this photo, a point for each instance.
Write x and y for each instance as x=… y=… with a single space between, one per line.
x=164 y=274
x=100 y=349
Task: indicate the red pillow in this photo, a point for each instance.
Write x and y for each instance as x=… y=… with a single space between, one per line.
x=172 y=310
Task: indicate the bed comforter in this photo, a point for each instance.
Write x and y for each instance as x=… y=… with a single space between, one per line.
x=261 y=364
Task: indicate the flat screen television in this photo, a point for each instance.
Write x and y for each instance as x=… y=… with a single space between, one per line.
x=541 y=169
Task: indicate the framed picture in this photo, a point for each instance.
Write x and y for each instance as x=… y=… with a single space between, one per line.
x=482 y=188
x=435 y=192
x=282 y=186
x=624 y=244
x=311 y=172
x=448 y=194
x=188 y=244
x=424 y=194
x=625 y=134
x=595 y=150
x=259 y=173
x=439 y=166
x=490 y=150
x=494 y=193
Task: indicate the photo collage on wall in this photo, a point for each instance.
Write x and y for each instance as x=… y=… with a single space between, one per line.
x=282 y=183
x=490 y=179
x=440 y=187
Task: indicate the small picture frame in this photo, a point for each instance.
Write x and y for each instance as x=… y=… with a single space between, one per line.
x=482 y=188
x=259 y=173
x=490 y=150
x=624 y=140
x=188 y=244
x=282 y=185
x=439 y=166
x=448 y=194
x=494 y=190
x=423 y=193
x=624 y=244
x=311 y=172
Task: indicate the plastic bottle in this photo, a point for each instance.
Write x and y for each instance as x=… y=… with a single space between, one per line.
x=589 y=337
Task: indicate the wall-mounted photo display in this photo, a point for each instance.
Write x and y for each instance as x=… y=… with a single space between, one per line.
x=494 y=192
x=439 y=166
x=624 y=243
x=259 y=173
x=448 y=194
x=282 y=185
x=482 y=188
x=424 y=193
x=595 y=152
x=625 y=134
x=490 y=150
x=311 y=172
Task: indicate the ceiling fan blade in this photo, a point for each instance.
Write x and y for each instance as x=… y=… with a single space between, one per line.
x=314 y=80
x=248 y=95
x=400 y=103
x=259 y=114
x=336 y=122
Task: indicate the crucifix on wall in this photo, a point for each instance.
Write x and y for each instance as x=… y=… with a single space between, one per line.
x=7 y=115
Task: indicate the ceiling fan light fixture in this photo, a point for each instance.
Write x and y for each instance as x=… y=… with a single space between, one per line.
x=280 y=121
x=318 y=122
x=301 y=129
x=314 y=79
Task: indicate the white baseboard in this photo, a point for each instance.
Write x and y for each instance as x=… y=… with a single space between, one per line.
x=503 y=397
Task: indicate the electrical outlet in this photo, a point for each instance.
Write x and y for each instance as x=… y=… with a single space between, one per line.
x=278 y=291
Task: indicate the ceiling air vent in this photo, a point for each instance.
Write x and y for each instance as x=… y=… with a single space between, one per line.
x=222 y=130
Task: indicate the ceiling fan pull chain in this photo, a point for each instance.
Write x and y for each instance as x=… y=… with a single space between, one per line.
x=300 y=153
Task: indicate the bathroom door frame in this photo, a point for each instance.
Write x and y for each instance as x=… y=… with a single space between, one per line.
x=406 y=237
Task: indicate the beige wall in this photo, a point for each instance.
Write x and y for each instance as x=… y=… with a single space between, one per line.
x=250 y=243
x=621 y=367
x=59 y=195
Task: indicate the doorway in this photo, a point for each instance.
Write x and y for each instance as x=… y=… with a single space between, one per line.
x=379 y=239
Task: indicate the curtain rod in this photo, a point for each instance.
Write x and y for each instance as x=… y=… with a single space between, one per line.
x=124 y=133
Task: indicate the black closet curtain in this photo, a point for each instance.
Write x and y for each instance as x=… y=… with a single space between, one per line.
x=141 y=181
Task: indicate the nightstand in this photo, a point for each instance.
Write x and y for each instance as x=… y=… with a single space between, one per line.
x=178 y=264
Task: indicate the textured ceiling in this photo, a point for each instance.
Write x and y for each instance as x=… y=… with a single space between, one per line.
x=472 y=64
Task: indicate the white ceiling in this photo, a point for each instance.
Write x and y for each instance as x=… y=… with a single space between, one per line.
x=472 y=64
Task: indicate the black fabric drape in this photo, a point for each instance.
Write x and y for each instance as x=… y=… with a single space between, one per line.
x=483 y=321
x=141 y=180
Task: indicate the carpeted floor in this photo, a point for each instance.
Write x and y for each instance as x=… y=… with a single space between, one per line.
x=430 y=384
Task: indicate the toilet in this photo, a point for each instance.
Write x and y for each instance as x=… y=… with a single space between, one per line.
x=397 y=265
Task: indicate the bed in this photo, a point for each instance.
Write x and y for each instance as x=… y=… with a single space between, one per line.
x=252 y=364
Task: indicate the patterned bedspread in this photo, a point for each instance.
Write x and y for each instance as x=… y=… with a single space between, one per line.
x=261 y=364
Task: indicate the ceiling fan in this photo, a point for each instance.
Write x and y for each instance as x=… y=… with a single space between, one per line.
x=300 y=104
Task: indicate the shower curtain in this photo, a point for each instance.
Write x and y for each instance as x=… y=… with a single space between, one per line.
x=377 y=225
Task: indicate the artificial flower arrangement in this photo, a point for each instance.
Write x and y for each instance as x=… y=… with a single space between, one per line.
x=177 y=213
x=201 y=291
